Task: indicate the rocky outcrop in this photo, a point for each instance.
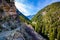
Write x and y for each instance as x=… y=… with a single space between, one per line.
x=23 y=32
x=11 y=27
x=8 y=15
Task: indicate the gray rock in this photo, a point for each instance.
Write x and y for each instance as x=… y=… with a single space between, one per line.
x=15 y=29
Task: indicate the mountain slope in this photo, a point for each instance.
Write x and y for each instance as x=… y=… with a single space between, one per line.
x=23 y=18
x=13 y=25
x=46 y=21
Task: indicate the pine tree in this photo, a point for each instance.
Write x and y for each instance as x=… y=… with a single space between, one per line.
x=58 y=35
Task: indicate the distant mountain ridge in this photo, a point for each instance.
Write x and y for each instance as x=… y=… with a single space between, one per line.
x=30 y=16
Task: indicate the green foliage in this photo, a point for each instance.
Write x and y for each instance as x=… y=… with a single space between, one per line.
x=37 y=29
x=49 y=21
x=23 y=18
x=58 y=35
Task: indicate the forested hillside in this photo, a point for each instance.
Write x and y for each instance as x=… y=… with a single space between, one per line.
x=47 y=21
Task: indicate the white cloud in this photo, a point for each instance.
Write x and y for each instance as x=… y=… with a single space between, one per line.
x=30 y=9
x=26 y=9
x=22 y=8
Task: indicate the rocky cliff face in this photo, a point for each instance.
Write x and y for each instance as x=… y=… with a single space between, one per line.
x=8 y=15
x=11 y=28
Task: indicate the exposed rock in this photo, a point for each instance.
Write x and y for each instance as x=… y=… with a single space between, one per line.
x=11 y=27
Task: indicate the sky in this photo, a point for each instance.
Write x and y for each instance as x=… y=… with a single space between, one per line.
x=31 y=7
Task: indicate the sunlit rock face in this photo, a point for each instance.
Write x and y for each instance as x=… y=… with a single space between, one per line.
x=8 y=15
x=11 y=28
x=9 y=7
